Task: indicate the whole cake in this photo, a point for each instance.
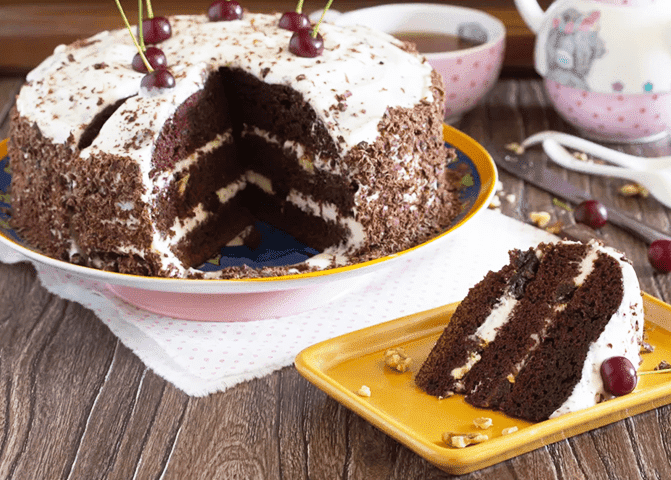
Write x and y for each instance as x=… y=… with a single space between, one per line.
x=343 y=151
x=530 y=339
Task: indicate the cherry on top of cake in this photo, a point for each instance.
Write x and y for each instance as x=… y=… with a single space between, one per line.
x=307 y=42
x=296 y=20
x=224 y=10
x=153 y=63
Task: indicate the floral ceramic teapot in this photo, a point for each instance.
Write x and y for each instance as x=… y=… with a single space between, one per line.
x=604 y=47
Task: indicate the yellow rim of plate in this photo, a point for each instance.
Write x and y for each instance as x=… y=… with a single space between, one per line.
x=482 y=160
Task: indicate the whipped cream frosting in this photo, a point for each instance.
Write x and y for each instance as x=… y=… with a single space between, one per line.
x=65 y=93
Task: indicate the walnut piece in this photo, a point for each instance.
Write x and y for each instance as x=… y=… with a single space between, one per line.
x=397 y=359
x=462 y=440
x=509 y=430
x=364 y=391
x=540 y=219
x=483 y=422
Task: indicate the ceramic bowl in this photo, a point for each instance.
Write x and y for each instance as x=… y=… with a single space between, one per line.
x=612 y=117
x=469 y=73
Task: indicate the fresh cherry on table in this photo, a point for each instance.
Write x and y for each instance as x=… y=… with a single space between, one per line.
x=659 y=255
x=155 y=30
x=618 y=375
x=592 y=213
x=158 y=79
x=303 y=44
x=224 y=10
x=294 y=21
x=155 y=57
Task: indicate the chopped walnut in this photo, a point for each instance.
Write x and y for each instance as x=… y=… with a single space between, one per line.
x=397 y=359
x=509 y=430
x=647 y=348
x=634 y=190
x=483 y=422
x=581 y=156
x=364 y=391
x=462 y=440
x=495 y=202
x=541 y=219
x=555 y=228
x=515 y=148
x=510 y=198
x=182 y=183
x=511 y=378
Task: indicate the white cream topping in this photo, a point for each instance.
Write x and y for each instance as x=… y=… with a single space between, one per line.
x=69 y=88
x=621 y=337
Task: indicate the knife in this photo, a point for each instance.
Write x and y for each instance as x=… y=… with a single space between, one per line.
x=535 y=173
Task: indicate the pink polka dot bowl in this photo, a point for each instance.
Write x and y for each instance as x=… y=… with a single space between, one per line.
x=468 y=73
x=613 y=117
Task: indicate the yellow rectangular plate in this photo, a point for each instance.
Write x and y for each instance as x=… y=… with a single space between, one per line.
x=340 y=366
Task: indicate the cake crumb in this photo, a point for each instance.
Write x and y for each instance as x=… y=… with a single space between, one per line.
x=447 y=395
x=364 y=391
x=511 y=378
x=663 y=365
x=540 y=219
x=462 y=440
x=511 y=197
x=509 y=430
x=397 y=359
x=483 y=422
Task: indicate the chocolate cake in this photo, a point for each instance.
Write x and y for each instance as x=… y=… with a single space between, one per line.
x=343 y=151
x=530 y=338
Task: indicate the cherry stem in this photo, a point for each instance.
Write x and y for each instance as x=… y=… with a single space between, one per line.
x=130 y=30
x=139 y=25
x=299 y=7
x=150 y=12
x=650 y=372
x=315 y=30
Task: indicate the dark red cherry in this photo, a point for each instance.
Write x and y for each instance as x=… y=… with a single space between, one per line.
x=155 y=57
x=294 y=21
x=224 y=10
x=303 y=44
x=618 y=375
x=659 y=255
x=156 y=30
x=158 y=79
x=591 y=213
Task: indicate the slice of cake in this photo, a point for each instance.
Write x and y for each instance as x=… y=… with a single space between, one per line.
x=530 y=338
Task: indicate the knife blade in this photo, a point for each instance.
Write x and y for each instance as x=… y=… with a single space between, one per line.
x=535 y=173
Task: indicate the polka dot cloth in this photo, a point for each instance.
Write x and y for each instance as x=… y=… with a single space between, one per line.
x=205 y=357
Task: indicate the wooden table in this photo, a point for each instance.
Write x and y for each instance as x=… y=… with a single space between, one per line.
x=77 y=404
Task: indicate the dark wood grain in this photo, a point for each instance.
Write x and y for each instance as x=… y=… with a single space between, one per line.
x=77 y=404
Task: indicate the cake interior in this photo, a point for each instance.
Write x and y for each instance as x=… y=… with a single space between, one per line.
x=241 y=151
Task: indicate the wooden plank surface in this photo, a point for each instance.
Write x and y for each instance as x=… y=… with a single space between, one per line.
x=77 y=404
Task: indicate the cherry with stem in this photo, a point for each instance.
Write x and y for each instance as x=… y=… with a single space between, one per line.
x=156 y=29
x=308 y=42
x=160 y=78
x=296 y=20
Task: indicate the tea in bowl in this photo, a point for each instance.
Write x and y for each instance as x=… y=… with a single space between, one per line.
x=464 y=45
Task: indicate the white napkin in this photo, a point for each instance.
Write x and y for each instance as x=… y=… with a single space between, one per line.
x=201 y=358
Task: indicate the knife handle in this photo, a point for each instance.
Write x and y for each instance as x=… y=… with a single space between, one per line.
x=635 y=227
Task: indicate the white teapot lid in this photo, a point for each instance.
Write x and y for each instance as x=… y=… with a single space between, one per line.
x=601 y=47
